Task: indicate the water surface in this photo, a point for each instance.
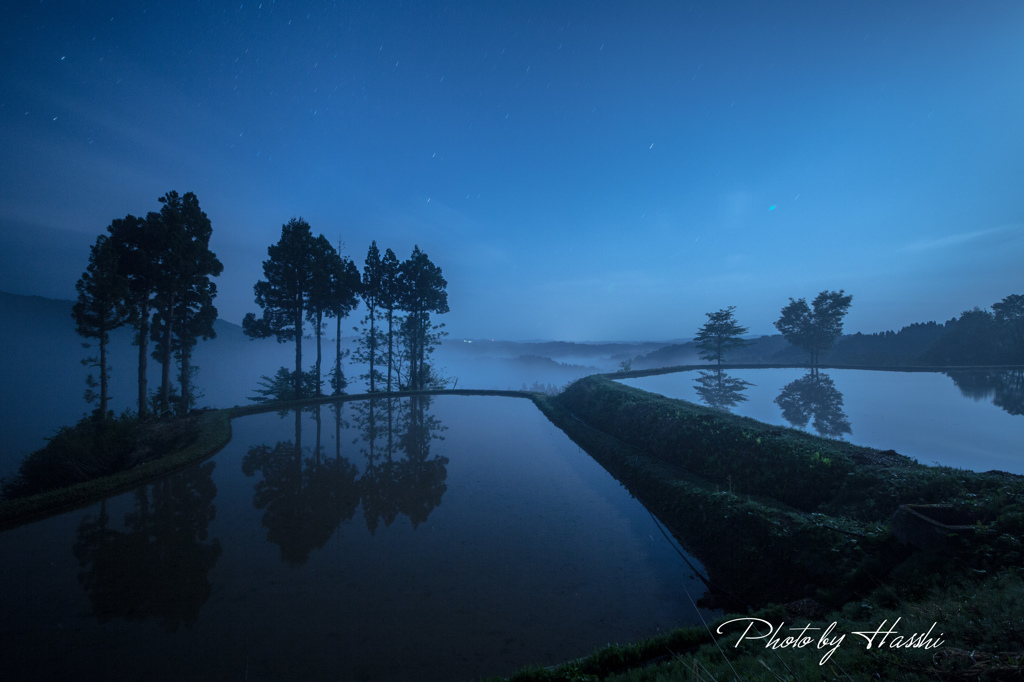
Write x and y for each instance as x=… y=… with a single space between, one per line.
x=967 y=419
x=447 y=538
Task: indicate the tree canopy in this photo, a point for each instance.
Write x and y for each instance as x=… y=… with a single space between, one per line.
x=815 y=330
x=720 y=333
x=1009 y=314
x=423 y=291
x=184 y=291
x=371 y=290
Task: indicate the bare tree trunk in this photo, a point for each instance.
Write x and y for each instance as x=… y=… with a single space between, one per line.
x=298 y=351
x=165 y=375
x=143 y=340
x=337 y=358
x=391 y=352
x=103 y=378
x=319 y=322
x=186 y=380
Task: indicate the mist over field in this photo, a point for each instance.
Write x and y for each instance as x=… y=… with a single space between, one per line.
x=46 y=379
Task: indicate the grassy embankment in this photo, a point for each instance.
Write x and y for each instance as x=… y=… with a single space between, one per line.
x=636 y=373
x=139 y=453
x=794 y=528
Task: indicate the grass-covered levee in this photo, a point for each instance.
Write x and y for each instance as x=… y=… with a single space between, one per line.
x=798 y=529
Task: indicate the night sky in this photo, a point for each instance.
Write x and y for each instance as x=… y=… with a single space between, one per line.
x=579 y=170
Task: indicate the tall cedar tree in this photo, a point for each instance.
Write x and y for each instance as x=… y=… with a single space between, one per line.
x=814 y=330
x=333 y=294
x=137 y=241
x=101 y=308
x=319 y=297
x=195 y=314
x=720 y=333
x=371 y=295
x=184 y=292
x=345 y=288
x=390 y=295
x=284 y=295
x=423 y=292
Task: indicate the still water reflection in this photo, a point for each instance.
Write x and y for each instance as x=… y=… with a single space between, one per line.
x=814 y=398
x=157 y=565
x=443 y=538
x=719 y=390
x=1004 y=388
x=920 y=414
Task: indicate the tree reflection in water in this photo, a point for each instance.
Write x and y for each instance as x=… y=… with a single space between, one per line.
x=421 y=480
x=814 y=395
x=392 y=485
x=157 y=567
x=719 y=390
x=1005 y=388
x=306 y=497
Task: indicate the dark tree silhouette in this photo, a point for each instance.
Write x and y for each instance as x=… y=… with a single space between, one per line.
x=184 y=292
x=390 y=297
x=281 y=387
x=368 y=351
x=137 y=241
x=719 y=334
x=973 y=339
x=284 y=295
x=814 y=395
x=423 y=292
x=196 y=314
x=1010 y=317
x=100 y=309
x=344 y=296
x=320 y=295
x=814 y=330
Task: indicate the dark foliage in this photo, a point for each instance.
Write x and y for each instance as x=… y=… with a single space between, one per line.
x=815 y=330
x=719 y=334
x=285 y=294
x=101 y=308
x=93 y=448
x=158 y=566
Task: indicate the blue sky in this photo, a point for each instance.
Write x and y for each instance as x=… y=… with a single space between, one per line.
x=579 y=170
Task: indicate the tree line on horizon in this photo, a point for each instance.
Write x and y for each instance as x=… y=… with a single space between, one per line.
x=977 y=337
x=153 y=273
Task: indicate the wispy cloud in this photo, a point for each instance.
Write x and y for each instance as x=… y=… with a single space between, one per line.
x=964 y=238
